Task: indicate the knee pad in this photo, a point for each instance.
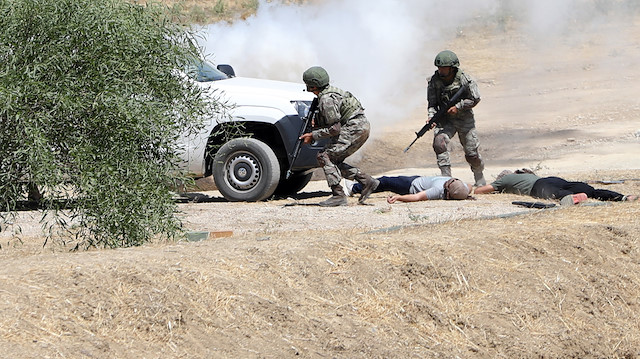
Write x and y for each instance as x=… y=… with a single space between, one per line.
x=440 y=143
x=474 y=160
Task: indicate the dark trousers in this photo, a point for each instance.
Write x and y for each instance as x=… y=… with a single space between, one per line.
x=396 y=184
x=556 y=187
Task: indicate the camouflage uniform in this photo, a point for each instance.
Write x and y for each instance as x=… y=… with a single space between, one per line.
x=341 y=118
x=463 y=123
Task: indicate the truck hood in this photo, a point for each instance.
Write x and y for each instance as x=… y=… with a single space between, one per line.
x=242 y=91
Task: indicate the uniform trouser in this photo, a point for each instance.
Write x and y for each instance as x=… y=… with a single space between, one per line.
x=556 y=188
x=466 y=130
x=396 y=184
x=352 y=136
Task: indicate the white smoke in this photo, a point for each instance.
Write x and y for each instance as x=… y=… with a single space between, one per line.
x=382 y=51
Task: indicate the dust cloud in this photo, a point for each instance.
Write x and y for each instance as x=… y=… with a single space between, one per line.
x=383 y=51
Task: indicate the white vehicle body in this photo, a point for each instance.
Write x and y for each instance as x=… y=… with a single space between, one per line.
x=249 y=151
x=258 y=100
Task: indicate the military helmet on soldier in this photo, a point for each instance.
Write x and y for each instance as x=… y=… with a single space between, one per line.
x=446 y=58
x=316 y=76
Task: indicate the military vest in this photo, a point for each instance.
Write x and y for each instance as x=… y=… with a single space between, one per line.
x=349 y=107
x=446 y=92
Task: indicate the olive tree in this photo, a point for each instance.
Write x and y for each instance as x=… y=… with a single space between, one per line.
x=92 y=105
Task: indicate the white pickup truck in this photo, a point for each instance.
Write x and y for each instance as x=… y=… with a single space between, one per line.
x=249 y=164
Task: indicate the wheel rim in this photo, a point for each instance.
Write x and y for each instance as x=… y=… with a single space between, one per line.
x=242 y=171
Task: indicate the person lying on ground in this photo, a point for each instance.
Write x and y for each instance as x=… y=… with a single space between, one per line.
x=526 y=182
x=418 y=188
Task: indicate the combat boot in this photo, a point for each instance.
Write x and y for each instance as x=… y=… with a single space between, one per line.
x=445 y=171
x=369 y=184
x=337 y=199
x=479 y=178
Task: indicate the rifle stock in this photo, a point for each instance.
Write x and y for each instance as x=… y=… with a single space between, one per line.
x=441 y=111
x=296 y=149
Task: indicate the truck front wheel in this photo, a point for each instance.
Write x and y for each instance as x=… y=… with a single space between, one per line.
x=246 y=169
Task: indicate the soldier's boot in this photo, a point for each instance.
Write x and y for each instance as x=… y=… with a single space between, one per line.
x=479 y=178
x=369 y=184
x=337 y=199
x=445 y=171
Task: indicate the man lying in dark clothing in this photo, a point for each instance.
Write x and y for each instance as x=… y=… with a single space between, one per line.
x=527 y=183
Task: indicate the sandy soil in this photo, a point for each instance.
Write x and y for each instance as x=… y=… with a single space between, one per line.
x=439 y=279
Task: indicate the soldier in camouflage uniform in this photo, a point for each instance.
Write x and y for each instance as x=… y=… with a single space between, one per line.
x=341 y=119
x=444 y=83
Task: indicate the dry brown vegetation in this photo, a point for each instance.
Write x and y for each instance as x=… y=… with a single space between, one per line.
x=210 y=11
x=553 y=283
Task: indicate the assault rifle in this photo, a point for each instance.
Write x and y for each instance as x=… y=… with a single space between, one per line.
x=308 y=119
x=436 y=118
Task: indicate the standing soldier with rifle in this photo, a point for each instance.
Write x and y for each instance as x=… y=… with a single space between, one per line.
x=442 y=87
x=340 y=117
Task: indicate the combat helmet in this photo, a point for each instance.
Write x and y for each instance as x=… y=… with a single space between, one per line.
x=446 y=58
x=316 y=76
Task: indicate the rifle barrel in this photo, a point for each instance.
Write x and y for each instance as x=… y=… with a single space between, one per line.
x=408 y=147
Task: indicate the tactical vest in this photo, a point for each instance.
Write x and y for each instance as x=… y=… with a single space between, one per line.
x=350 y=105
x=446 y=92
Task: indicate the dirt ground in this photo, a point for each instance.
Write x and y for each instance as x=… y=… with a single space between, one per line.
x=434 y=279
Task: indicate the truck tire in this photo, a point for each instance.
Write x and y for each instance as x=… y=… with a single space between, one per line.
x=246 y=169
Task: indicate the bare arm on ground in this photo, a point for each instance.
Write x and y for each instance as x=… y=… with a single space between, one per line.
x=420 y=196
x=484 y=189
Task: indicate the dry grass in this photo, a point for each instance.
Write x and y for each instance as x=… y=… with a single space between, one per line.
x=210 y=11
x=557 y=283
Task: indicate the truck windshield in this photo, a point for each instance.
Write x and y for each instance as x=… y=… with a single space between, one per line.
x=202 y=71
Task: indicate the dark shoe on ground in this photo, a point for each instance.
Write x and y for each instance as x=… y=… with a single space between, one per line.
x=571 y=199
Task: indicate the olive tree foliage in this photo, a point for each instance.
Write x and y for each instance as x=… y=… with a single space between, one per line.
x=91 y=109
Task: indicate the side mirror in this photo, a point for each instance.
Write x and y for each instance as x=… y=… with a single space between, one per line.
x=227 y=69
